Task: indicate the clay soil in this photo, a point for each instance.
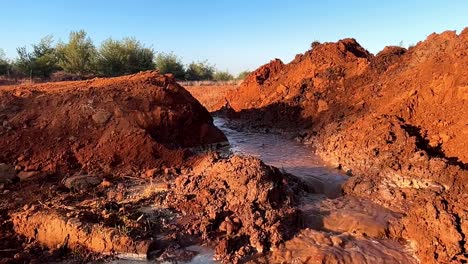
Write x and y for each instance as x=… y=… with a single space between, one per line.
x=211 y=96
x=104 y=168
x=395 y=121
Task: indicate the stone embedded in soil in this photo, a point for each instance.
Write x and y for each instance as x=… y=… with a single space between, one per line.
x=81 y=182
x=28 y=175
x=101 y=117
x=7 y=174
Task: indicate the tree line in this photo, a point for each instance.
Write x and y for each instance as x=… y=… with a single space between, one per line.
x=79 y=57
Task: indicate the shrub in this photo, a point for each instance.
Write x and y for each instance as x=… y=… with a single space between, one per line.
x=41 y=62
x=170 y=63
x=4 y=64
x=314 y=44
x=124 y=57
x=222 y=76
x=79 y=55
x=243 y=75
x=201 y=70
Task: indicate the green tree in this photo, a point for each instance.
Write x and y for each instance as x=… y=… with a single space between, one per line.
x=243 y=75
x=41 y=62
x=4 y=64
x=170 y=63
x=78 y=56
x=201 y=70
x=124 y=57
x=222 y=76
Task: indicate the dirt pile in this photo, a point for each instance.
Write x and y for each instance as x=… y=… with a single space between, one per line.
x=240 y=204
x=396 y=121
x=211 y=96
x=127 y=123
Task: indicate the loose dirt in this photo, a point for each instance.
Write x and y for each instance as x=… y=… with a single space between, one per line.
x=211 y=96
x=134 y=122
x=396 y=121
x=104 y=168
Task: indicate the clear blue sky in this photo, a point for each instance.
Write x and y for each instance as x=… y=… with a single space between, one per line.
x=234 y=35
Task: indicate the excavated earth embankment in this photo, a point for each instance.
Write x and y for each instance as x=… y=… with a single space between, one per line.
x=396 y=121
x=132 y=122
x=109 y=167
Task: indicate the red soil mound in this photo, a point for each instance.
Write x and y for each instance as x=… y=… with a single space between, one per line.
x=397 y=120
x=240 y=203
x=120 y=124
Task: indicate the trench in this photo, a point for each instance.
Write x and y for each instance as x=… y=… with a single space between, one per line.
x=360 y=225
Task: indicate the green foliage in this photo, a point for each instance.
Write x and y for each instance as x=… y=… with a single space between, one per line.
x=80 y=58
x=4 y=64
x=41 y=62
x=201 y=70
x=170 y=63
x=124 y=57
x=79 y=55
x=243 y=75
x=222 y=76
x=314 y=44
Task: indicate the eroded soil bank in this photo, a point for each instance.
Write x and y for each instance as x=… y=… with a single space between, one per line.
x=334 y=228
x=395 y=121
x=109 y=168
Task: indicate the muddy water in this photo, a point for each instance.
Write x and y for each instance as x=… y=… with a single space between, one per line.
x=286 y=154
x=337 y=228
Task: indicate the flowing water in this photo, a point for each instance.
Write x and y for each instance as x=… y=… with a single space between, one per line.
x=329 y=216
x=356 y=224
x=287 y=154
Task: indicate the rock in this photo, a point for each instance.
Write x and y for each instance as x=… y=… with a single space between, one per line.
x=151 y=173
x=101 y=117
x=282 y=89
x=81 y=182
x=106 y=184
x=26 y=175
x=7 y=173
x=322 y=106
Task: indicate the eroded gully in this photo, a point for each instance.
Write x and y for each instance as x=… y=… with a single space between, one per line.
x=341 y=228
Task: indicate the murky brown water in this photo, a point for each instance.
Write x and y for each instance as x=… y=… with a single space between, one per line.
x=287 y=154
x=340 y=229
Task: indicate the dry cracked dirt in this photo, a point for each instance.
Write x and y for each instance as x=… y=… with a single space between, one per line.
x=134 y=167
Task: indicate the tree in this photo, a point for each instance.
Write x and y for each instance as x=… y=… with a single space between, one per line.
x=41 y=62
x=170 y=63
x=4 y=64
x=79 y=55
x=314 y=44
x=124 y=57
x=243 y=75
x=201 y=70
x=222 y=76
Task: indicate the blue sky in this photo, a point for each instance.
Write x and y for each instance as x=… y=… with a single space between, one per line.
x=233 y=35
